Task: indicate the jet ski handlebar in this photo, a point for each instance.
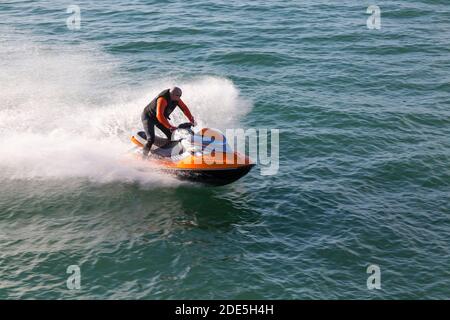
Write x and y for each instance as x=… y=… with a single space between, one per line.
x=186 y=125
x=183 y=131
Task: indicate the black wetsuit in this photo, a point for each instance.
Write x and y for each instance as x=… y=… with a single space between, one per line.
x=149 y=119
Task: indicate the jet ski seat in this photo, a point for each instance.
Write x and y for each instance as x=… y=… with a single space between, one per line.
x=164 y=147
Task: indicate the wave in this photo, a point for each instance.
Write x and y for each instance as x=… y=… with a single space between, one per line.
x=68 y=111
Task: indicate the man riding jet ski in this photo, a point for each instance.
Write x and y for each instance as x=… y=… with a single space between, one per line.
x=203 y=156
x=157 y=113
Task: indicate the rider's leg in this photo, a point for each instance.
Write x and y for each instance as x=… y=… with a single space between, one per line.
x=166 y=131
x=149 y=127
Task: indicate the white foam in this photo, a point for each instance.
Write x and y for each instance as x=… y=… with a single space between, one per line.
x=66 y=113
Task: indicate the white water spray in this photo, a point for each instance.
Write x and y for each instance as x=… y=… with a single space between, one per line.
x=66 y=112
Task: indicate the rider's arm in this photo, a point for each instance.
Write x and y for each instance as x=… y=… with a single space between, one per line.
x=161 y=105
x=185 y=110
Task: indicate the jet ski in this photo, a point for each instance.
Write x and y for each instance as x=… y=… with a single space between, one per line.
x=203 y=156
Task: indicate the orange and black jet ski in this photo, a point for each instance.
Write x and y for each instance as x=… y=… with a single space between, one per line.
x=203 y=156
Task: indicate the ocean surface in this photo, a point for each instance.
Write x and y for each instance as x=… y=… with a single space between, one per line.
x=364 y=171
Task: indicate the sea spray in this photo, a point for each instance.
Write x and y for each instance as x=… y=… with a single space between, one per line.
x=68 y=113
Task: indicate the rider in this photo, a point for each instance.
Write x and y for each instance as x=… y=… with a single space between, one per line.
x=157 y=113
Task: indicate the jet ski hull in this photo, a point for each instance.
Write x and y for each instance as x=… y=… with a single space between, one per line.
x=215 y=169
x=214 y=177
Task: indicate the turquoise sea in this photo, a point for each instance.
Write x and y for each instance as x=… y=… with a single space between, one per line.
x=364 y=172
